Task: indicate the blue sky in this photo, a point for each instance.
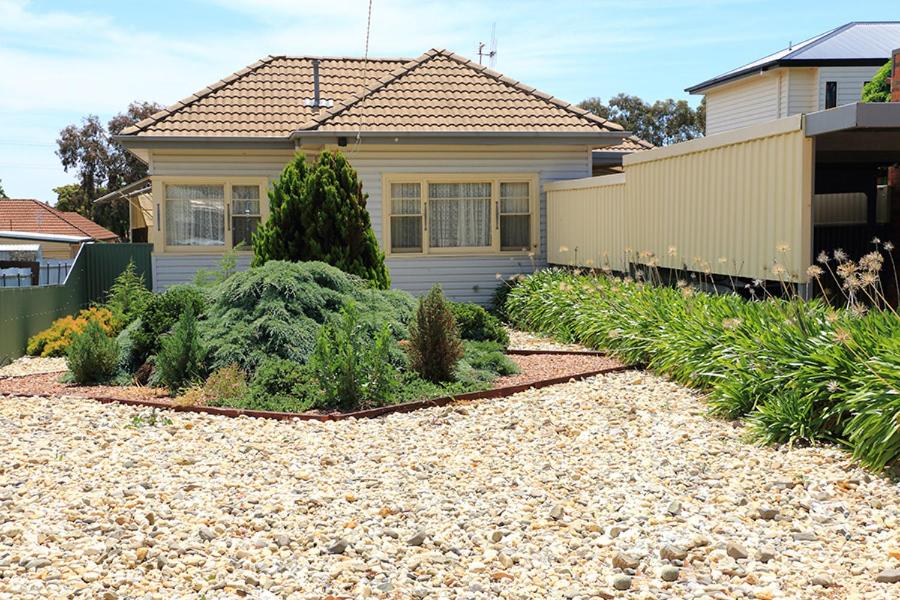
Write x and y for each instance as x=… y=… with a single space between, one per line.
x=60 y=61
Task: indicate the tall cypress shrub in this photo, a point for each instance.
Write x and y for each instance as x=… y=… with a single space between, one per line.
x=318 y=212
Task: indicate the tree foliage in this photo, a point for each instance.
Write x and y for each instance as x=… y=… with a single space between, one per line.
x=662 y=123
x=101 y=165
x=434 y=344
x=2 y=191
x=879 y=88
x=318 y=212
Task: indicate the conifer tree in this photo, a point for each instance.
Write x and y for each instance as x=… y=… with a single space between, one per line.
x=318 y=212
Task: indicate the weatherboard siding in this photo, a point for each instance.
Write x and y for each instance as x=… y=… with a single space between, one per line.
x=850 y=81
x=802 y=96
x=746 y=102
x=468 y=278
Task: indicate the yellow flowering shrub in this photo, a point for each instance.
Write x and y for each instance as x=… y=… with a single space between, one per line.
x=54 y=340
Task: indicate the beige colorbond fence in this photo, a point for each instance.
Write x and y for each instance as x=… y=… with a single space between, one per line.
x=727 y=202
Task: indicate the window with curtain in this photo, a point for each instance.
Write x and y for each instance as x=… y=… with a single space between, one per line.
x=245 y=214
x=406 y=217
x=195 y=215
x=460 y=215
x=515 y=216
x=435 y=214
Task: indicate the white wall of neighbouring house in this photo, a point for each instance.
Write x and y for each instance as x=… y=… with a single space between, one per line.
x=470 y=278
x=850 y=82
x=744 y=102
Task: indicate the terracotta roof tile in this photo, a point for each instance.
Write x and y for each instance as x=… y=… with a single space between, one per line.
x=629 y=144
x=33 y=216
x=439 y=91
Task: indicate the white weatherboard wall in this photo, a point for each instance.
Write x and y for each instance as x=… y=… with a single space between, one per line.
x=747 y=101
x=464 y=278
x=850 y=81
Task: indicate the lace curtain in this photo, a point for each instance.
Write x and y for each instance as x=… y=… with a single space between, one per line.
x=460 y=215
x=195 y=215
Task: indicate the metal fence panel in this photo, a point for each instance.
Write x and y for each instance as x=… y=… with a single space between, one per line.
x=26 y=311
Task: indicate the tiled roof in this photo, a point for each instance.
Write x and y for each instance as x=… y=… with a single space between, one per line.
x=439 y=91
x=266 y=99
x=856 y=42
x=33 y=216
x=629 y=144
x=443 y=91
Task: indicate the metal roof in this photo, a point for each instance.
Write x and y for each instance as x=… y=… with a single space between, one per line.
x=856 y=43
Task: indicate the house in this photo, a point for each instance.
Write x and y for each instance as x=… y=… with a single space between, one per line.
x=452 y=155
x=608 y=160
x=59 y=233
x=823 y=72
x=765 y=193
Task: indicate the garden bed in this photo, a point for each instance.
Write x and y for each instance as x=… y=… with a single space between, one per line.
x=538 y=368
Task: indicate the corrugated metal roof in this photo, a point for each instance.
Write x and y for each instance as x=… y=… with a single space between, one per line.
x=857 y=42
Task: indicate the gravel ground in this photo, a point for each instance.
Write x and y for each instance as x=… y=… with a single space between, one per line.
x=571 y=491
x=520 y=340
x=29 y=365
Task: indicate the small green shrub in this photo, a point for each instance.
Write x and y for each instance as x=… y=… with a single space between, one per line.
x=498 y=303
x=226 y=386
x=353 y=369
x=280 y=385
x=477 y=324
x=276 y=310
x=127 y=296
x=54 y=340
x=434 y=344
x=160 y=313
x=92 y=356
x=127 y=350
x=181 y=359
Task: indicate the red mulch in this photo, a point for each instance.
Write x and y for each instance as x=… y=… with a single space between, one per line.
x=48 y=383
x=537 y=367
x=534 y=368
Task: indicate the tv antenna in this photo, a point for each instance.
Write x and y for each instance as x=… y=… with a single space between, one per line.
x=491 y=54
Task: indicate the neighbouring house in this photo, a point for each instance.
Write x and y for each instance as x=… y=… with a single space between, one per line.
x=824 y=72
x=776 y=183
x=608 y=160
x=453 y=157
x=59 y=234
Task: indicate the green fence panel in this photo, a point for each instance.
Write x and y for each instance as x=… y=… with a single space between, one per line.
x=26 y=311
x=106 y=261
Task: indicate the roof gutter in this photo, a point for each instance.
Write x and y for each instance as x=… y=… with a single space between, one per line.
x=597 y=139
x=790 y=62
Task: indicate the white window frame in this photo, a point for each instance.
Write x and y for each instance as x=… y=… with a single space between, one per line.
x=495 y=179
x=159 y=200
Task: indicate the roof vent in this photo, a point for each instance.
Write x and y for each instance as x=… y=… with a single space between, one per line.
x=316 y=101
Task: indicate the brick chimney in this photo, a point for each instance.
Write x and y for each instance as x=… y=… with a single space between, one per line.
x=895 y=76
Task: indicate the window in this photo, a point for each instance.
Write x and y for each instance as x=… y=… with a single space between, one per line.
x=245 y=214
x=830 y=94
x=195 y=215
x=209 y=215
x=447 y=214
x=460 y=215
x=406 y=217
x=515 y=216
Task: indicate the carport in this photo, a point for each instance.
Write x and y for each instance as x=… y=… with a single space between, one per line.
x=856 y=191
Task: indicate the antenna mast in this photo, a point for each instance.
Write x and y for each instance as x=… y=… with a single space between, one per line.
x=492 y=53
